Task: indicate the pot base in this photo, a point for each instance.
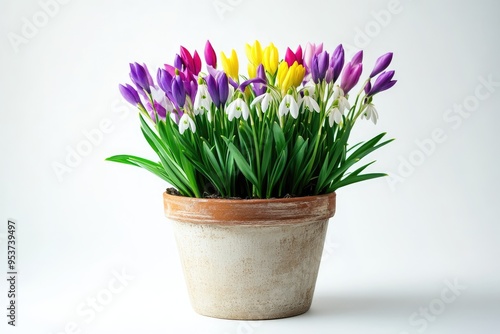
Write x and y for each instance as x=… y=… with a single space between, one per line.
x=251 y=272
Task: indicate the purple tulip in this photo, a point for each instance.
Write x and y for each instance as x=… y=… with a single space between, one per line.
x=223 y=84
x=178 y=91
x=260 y=88
x=162 y=112
x=158 y=109
x=384 y=81
x=319 y=66
x=381 y=64
x=191 y=87
x=150 y=79
x=350 y=76
x=368 y=86
x=210 y=55
x=164 y=79
x=218 y=88
x=213 y=90
x=139 y=77
x=337 y=62
x=130 y=94
x=179 y=63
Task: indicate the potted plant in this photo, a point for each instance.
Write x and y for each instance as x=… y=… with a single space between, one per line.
x=255 y=162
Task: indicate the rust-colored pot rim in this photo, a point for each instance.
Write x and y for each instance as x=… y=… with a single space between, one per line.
x=273 y=211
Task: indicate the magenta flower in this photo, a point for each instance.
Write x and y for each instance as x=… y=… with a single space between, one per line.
x=357 y=58
x=191 y=63
x=292 y=57
x=381 y=64
x=350 y=76
x=210 y=55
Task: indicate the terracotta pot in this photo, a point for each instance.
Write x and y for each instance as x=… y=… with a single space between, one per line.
x=250 y=259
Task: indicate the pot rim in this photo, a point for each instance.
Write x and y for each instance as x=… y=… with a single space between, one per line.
x=273 y=211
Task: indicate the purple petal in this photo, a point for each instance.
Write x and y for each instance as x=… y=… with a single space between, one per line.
x=244 y=84
x=383 y=82
x=381 y=64
x=368 y=87
x=165 y=82
x=179 y=63
x=162 y=112
x=178 y=91
x=223 y=84
x=139 y=76
x=130 y=94
x=213 y=89
x=337 y=62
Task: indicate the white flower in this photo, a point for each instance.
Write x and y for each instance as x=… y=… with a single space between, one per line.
x=334 y=116
x=288 y=105
x=186 y=123
x=237 y=108
x=264 y=100
x=338 y=94
x=202 y=100
x=343 y=104
x=310 y=103
x=370 y=113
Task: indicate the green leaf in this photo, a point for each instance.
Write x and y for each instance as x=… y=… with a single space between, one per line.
x=355 y=179
x=242 y=164
x=279 y=137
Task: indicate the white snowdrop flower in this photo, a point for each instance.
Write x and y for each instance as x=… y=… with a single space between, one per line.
x=186 y=123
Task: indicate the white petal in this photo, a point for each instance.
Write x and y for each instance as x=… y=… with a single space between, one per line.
x=257 y=99
x=343 y=104
x=245 y=112
x=314 y=104
x=265 y=102
x=294 y=107
x=183 y=123
x=192 y=125
x=337 y=116
x=331 y=120
x=283 y=108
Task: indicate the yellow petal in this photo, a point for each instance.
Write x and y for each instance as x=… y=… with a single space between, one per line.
x=270 y=59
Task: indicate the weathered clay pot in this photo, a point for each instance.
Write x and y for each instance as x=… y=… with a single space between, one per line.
x=250 y=259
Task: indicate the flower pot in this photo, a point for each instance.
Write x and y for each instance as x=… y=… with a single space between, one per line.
x=250 y=259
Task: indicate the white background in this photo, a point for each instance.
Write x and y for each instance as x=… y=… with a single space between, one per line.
x=391 y=246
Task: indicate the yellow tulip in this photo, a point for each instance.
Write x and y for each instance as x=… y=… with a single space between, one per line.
x=254 y=55
x=270 y=59
x=289 y=76
x=230 y=65
x=281 y=76
x=297 y=73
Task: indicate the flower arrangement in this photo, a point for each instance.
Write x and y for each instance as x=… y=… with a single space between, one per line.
x=281 y=131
